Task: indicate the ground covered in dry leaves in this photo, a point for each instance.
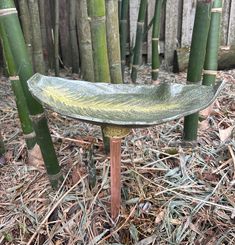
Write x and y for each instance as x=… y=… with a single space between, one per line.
x=171 y=194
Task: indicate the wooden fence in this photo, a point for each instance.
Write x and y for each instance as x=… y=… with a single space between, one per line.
x=177 y=25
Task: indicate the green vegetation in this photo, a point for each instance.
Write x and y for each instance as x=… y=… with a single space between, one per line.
x=196 y=60
x=10 y=27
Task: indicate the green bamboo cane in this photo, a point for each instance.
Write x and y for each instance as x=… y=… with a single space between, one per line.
x=96 y=12
x=26 y=123
x=56 y=37
x=119 y=9
x=112 y=29
x=85 y=46
x=213 y=44
x=139 y=39
x=155 y=40
x=26 y=25
x=196 y=60
x=123 y=33
x=11 y=26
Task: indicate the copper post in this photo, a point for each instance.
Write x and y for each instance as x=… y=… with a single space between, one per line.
x=115 y=158
x=115 y=133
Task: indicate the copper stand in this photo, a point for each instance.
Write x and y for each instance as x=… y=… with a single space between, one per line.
x=115 y=158
x=115 y=133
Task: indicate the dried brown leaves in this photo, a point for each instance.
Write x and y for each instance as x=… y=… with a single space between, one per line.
x=171 y=195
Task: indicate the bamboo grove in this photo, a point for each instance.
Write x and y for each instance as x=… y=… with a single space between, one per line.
x=75 y=35
x=89 y=37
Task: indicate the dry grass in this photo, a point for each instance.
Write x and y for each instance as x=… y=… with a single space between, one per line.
x=171 y=195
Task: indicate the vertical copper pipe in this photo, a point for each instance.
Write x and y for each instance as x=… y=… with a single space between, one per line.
x=115 y=158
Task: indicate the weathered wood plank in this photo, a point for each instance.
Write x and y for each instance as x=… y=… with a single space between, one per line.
x=163 y=23
x=43 y=30
x=150 y=14
x=231 y=31
x=64 y=34
x=225 y=22
x=189 y=9
x=49 y=19
x=133 y=16
x=171 y=30
x=226 y=58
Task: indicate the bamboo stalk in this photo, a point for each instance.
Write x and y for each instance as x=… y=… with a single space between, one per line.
x=123 y=33
x=73 y=36
x=96 y=12
x=38 y=61
x=85 y=46
x=115 y=158
x=113 y=41
x=11 y=27
x=155 y=40
x=213 y=44
x=139 y=39
x=196 y=60
x=56 y=37
x=26 y=26
x=119 y=9
x=26 y=123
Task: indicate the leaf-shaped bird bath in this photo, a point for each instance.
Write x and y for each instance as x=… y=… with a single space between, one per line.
x=119 y=107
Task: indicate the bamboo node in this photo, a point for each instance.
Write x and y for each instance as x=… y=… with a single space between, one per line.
x=123 y=21
x=216 y=10
x=195 y=83
x=135 y=66
x=155 y=39
x=8 y=11
x=210 y=72
x=98 y=19
x=140 y=23
x=155 y=70
x=30 y=135
x=53 y=177
x=225 y=47
x=37 y=117
x=14 y=78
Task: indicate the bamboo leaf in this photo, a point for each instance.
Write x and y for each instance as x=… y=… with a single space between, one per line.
x=121 y=104
x=139 y=39
x=98 y=238
x=134 y=233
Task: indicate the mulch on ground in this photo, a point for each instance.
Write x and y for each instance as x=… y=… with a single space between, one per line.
x=170 y=194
